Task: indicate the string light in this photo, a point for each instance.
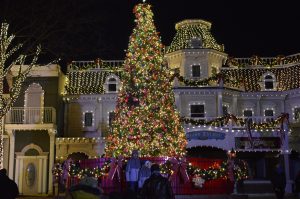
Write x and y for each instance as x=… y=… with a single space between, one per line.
x=188 y=30
x=6 y=51
x=145 y=98
x=218 y=170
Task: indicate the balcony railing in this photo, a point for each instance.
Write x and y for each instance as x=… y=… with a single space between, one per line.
x=75 y=65
x=254 y=119
x=31 y=115
x=267 y=61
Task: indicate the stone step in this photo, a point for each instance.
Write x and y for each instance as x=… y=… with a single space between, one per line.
x=261 y=196
x=255 y=186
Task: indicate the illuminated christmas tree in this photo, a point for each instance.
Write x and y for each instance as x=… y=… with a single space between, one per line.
x=145 y=115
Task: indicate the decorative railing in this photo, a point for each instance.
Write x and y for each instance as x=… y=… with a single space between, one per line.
x=217 y=121
x=31 y=115
x=97 y=64
x=257 y=61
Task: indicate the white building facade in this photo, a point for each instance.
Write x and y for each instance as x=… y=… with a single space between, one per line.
x=210 y=85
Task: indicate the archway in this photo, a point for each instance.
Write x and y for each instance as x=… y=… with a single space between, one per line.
x=31 y=170
x=76 y=156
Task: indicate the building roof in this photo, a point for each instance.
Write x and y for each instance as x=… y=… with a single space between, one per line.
x=193 y=29
x=89 y=77
x=249 y=79
x=247 y=74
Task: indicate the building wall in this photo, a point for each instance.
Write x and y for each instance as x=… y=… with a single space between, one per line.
x=38 y=137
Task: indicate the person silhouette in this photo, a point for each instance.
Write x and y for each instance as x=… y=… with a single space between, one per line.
x=278 y=181
x=8 y=188
x=132 y=171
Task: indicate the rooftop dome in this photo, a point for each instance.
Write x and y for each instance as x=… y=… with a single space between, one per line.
x=193 y=33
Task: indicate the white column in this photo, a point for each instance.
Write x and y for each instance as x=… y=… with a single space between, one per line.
x=220 y=104
x=40 y=175
x=234 y=105
x=258 y=106
x=288 y=188
x=21 y=176
x=178 y=101
x=51 y=133
x=6 y=149
x=11 y=153
x=17 y=170
x=66 y=117
x=282 y=106
x=44 y=175
x=286 y=152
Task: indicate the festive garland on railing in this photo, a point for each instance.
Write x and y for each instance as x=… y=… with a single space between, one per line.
x=213 y=172
x=221 y=121
x=97 y=64
x=204 y=82
x=257 y=61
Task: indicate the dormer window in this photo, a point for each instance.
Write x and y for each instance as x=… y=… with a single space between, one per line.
x=268 y=82
x=196 y=71
x=112 y=85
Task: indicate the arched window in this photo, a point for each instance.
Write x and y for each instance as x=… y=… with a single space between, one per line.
x=269 y=82
x=112 y=85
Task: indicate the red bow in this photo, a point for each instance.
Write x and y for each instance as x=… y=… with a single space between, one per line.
x=115 y=168
x=179 y=169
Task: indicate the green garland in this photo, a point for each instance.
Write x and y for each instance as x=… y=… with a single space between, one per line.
x=221 y=121
x=205 y=81
x=257 y=61
x=214 y=172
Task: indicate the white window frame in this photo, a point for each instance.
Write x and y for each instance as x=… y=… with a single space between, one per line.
x=196 y=103
x=83 y=119
x=264 y=80
x=269 y=119
x=200 y=74
x=228 y=108
x=108 y=117
x=294 y=115
x=107 y=83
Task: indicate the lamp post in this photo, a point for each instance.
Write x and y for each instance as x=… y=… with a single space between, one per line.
x=231 y=156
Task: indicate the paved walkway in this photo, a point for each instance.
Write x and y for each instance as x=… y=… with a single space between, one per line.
x=238 y=196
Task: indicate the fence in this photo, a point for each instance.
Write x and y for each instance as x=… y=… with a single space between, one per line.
x=216 y=186
x=31 y=115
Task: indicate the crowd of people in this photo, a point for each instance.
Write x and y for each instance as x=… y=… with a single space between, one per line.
x=144 y=181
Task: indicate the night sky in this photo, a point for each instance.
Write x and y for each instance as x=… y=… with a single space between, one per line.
x=87 y=29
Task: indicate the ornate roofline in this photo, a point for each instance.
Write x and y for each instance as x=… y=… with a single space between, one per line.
x=192 y=22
